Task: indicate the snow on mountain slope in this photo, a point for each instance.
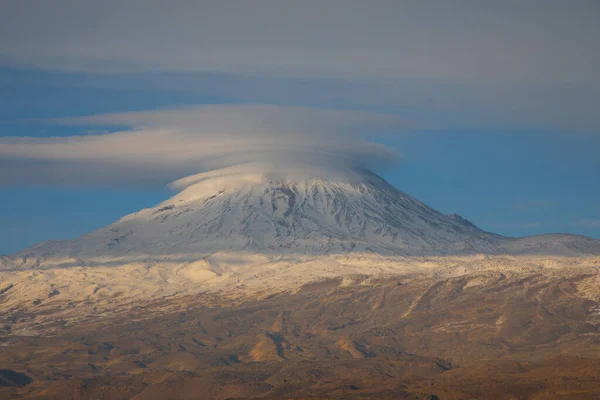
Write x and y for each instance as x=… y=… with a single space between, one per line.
x=553 y=244
x=246 y=233
x=298 y=211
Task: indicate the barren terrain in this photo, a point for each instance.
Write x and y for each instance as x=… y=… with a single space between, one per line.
x=481 y=328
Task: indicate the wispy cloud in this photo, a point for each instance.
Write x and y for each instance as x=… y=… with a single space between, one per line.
x=531 y=225
x=168 y=144
x=455 y=40
x=588 y=223
x=535 y=204
x=451 y=64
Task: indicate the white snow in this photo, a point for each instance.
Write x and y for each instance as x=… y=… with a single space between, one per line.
x=298 y=210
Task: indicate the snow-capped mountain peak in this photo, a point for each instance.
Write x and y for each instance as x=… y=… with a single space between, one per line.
x=300 y=210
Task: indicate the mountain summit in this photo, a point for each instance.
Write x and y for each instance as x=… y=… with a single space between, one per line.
x=248 y=232
x=299 y=211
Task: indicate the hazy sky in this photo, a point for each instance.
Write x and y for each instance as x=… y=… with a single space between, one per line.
x=485 y=108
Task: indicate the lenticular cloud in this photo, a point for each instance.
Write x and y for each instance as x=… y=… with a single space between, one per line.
x=168 y=144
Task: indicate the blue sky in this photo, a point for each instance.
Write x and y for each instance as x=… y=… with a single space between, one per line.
x=505 y=138
x=506 y=181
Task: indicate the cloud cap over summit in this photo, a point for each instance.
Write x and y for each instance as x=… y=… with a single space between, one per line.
x=166 y=145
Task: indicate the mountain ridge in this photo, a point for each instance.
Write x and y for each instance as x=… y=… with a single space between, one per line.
x=291 y=212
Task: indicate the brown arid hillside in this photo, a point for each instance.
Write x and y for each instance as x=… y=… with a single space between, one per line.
x=488 y=335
